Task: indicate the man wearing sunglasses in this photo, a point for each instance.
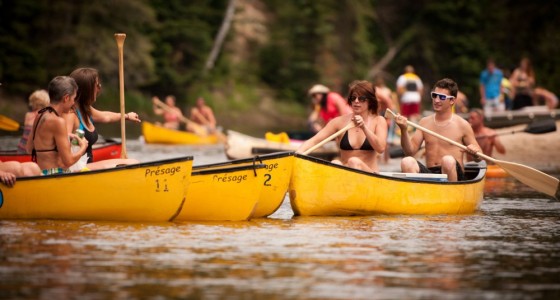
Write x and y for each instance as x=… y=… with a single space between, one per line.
x=441 y=157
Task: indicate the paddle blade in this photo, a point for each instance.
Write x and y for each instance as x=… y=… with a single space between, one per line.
x=8 y=124
x=536 y=179
x=541 y=126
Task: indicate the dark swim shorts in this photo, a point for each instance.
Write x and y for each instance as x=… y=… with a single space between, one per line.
x=437 y=170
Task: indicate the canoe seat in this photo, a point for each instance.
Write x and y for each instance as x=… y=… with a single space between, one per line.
x=417 y=176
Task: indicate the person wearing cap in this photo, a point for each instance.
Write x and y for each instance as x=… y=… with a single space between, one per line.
x=327 y=105
x=410 y=89
x=361 y=145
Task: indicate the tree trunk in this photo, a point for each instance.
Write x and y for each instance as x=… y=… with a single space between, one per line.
x=224 y=29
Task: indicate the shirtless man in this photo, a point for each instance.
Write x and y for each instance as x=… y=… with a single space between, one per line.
x=441 y=157
x=485 y=136
x=203 y=115
x=48 y=142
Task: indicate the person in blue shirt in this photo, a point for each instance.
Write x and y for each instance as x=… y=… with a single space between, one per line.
x=491 y=88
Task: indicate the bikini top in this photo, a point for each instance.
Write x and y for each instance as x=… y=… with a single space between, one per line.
x=34 y=151
x=90 y=136
x=345 y=144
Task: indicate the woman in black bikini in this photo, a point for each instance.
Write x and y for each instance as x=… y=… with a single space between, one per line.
x=49 y=143
x=359 y=146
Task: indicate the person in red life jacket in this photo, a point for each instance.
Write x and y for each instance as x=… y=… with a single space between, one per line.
x=327 y=105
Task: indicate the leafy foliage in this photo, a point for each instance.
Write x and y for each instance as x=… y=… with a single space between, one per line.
x=330 y=41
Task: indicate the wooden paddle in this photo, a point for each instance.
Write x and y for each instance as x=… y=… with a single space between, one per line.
x=534 y=178
x=198 y=130
x=8 y=124
x=119 y=37
x=537 y=127
x=328 y=139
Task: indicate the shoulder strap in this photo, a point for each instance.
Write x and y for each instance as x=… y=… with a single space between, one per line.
x=40 y=115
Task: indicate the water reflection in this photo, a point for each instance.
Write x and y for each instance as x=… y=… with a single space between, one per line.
x=509 y=249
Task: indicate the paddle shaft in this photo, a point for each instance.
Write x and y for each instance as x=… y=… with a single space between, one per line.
x=534 y=178
x=119 y=37
x=328 y=139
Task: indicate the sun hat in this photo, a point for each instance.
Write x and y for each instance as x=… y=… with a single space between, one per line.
x=318 y=89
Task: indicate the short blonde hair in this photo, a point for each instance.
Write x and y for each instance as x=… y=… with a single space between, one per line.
x=39 y=99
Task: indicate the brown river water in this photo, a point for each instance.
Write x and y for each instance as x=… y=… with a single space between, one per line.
x=509 y=249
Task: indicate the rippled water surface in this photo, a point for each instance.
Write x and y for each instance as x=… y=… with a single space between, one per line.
x=510 y=249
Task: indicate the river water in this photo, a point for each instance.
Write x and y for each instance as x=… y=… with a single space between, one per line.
x=509 y=249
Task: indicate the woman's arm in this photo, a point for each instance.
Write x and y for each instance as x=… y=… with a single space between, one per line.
x=377 y=139
x=328 y=130
x=109 y=116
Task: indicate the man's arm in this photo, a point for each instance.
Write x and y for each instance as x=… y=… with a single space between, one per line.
x=499 y=146
x=469 y=140
x=410 y=145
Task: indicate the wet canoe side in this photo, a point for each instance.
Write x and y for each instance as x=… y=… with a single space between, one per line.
x=223 y=194
x=275 y=179
x=147 y=192
x=320 y=188
x=159 y=135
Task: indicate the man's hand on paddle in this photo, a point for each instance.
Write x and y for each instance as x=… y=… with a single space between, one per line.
x=473 y=150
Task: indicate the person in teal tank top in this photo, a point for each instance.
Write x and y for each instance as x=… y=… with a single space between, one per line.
x=84 y=115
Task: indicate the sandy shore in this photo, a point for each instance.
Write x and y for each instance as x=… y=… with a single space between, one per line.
x=540 y=151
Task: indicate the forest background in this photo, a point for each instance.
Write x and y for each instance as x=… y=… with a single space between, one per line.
x=273 y=51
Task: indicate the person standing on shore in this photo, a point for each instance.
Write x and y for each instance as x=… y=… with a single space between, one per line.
x=409 y=90
x=491 y=88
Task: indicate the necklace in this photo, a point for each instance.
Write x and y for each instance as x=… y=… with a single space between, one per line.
x=446 y=123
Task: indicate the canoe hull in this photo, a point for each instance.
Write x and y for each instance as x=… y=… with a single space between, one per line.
x=275 y=179
x=319 y=188
x=223 y=194
x=101 y=151
x=159 y=135
x=147 y=192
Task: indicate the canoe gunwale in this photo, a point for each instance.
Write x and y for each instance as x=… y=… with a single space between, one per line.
x=226 y=169
x=258 y=158
x=127 y=167
x=481 y=166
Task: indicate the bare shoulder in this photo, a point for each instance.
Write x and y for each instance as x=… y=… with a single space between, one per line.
x=461 y=122
x=425 y=120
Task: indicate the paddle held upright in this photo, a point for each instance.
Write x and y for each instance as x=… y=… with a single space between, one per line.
x=119 y=37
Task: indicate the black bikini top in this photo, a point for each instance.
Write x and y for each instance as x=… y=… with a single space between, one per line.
x=345 y=144
x=34 y=151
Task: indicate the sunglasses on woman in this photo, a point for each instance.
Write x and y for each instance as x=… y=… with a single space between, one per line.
x=441 y=97
x=360 y=98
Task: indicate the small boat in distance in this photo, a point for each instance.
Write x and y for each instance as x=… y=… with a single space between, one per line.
x=154 y=134
x=102 y=150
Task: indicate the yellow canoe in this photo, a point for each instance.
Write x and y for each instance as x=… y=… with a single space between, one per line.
x=319 y=188
x=275 y=179
x=222 y=194
x=147 y=192
x=154 y=134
